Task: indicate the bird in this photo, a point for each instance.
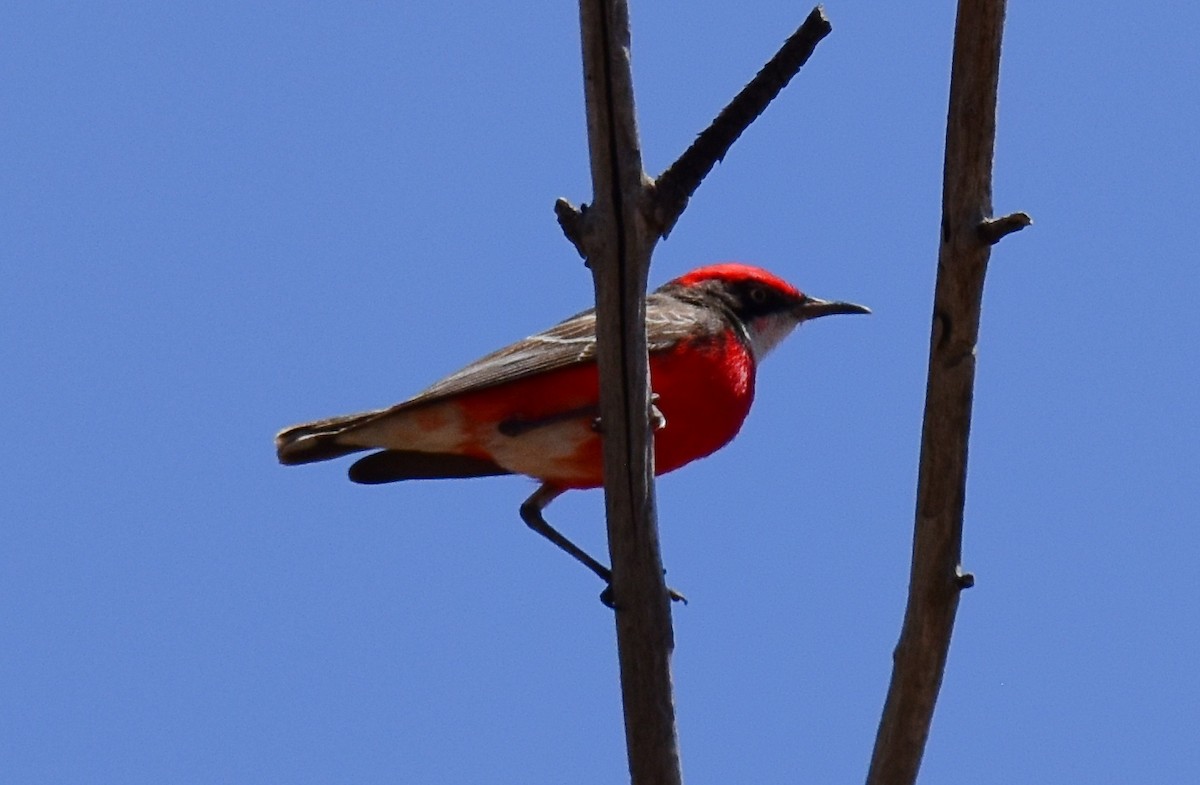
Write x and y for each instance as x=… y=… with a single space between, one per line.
x=532 y=407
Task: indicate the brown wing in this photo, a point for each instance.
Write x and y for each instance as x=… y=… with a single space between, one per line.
x=570 y=342
x=567 y=343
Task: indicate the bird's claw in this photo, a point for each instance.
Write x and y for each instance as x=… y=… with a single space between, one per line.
x=657 y=420
x=606 y=597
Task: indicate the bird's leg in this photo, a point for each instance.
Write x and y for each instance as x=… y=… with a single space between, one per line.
x=531 y=513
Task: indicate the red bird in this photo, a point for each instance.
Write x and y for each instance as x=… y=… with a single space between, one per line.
x=531 y=408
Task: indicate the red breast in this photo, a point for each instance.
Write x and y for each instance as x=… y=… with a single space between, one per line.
x=704 y=387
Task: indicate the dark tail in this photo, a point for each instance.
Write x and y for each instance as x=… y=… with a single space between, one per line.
x=322 y=440
x=319 y=440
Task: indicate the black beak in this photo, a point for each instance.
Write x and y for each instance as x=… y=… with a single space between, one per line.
x=812 y=307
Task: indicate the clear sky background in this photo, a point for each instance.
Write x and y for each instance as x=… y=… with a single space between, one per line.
x=219 y=219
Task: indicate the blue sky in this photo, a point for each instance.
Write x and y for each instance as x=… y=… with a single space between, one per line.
x=219 y=220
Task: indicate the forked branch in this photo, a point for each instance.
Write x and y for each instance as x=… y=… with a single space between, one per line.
x=616 y=234
x=613 y=238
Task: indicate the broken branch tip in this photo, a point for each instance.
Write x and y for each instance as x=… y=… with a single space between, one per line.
x=993 y=230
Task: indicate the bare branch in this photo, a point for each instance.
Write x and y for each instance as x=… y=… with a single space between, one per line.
x=616 y=233
x=681 y=179
x=966 y=237
x=618 y=246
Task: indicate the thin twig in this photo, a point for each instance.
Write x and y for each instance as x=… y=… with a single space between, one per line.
x=570 y=219
x=937 y=577
x=681 y=179
x=993 y=230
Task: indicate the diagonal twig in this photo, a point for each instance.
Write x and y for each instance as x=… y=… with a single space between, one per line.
x=681 y=179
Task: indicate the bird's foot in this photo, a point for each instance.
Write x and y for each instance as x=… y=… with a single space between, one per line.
x=606 y=596
x=657 y=420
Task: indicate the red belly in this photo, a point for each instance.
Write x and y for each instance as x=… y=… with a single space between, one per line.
x=704 y=393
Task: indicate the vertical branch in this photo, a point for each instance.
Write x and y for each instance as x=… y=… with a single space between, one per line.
x=967 y=232
x=617 y=242
x=616 y=234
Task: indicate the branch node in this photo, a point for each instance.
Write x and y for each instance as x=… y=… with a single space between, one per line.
x=993 y=230
x=964 y=580
x=570 y=219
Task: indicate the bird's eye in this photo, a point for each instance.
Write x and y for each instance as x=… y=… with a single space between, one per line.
x=758 y=295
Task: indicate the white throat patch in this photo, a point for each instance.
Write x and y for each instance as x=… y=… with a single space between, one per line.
x=767 y=331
